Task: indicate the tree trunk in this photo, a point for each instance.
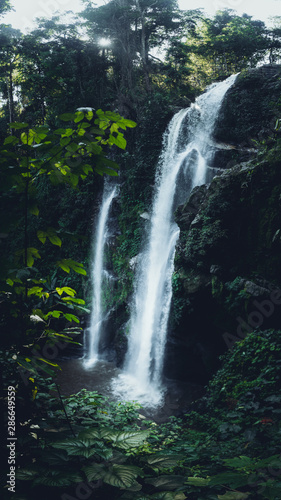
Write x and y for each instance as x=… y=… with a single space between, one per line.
x=10 y=86
x=143 y=50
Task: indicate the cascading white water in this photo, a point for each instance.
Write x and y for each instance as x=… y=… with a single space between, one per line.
x=99 y=274
x=188 y=151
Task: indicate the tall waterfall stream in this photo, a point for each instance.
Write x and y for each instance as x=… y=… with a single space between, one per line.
x=94 y=333
x=188 y=151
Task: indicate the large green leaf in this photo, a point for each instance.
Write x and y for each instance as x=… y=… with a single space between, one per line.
x=66 y=289
x=89 y=115
x=64 y=265
x=161 y=461
x=234 y=495
x=68 y=132
x=105 y=454
x=53 y=314
x=59 y=131
x=72 y=147
x=104 y=433
x=74 y=301
x=79 y=116
x=198 y=481
x=18 y=125
x=34 y=210
x=57 y=478
x=55 y=365
x=11 y=140
x=126 y=440
x=119 y=140
x=28 y=137
x=67 y=264
x=121 y=476
x=273 y=461
x=232 y=479
x=35 y=290
x=110 y=115
x=80 y=447
x=239 y=462
x=65 y=141
x=101 y=169
x=26 y=474
x=124 y=123
x=41 y=130
x=168 y=495
x=71 y=317
x=67 y=117
x=89 y=434
x=169 y=482
x=30 y=253
x=114 y=128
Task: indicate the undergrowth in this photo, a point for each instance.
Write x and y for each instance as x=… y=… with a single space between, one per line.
x=227 y=447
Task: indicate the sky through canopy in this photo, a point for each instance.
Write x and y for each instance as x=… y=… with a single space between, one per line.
x=26 y=11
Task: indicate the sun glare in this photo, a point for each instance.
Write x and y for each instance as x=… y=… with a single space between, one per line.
x=104 y=42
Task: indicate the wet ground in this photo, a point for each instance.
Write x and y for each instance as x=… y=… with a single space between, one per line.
x=177 y=397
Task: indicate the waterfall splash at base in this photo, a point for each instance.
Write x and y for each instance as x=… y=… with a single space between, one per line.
x=188 y=151
x=99 y=275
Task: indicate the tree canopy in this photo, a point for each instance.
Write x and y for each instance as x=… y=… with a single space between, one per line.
x=5 y=6
x=122 y=52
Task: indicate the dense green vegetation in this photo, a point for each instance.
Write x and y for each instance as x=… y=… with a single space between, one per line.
x=226 y=447
x=69 y=108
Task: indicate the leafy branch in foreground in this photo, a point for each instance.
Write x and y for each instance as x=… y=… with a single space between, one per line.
x=36 y=315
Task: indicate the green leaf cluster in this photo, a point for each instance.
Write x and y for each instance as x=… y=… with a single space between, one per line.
x=42 y=308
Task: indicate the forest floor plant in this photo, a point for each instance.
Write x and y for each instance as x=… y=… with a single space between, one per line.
x=227 y=448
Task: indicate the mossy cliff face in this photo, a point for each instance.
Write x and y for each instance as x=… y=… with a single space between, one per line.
x=248 y=115
x=250 y=109
x=228 y=256
x=228 y=266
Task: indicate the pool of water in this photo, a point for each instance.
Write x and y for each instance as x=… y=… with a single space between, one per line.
x=177 y=396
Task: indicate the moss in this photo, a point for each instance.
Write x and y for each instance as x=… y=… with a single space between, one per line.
x=238 y=220
x=252 y=366
x=204 y=243
x=250 y=106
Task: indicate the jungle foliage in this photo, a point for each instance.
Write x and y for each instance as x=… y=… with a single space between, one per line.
x=66 y=102
x=226 y=447
x=30 y=157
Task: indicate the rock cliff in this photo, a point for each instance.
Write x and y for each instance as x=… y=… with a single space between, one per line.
x=228 y=266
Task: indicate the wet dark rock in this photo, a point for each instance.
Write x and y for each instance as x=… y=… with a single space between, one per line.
x=120 y=345
x=250 y=108
x=228 y=256
x=186 y=214
x=226 y=265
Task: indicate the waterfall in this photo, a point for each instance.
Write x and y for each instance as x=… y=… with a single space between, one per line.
x=99 y=275
x=188 y=151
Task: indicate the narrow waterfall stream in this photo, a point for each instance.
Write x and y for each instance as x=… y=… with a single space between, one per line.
x=98 y=315
x=187 y=152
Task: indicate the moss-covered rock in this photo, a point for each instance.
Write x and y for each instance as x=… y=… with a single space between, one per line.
x=250 y=110
x=234 y=232
x=228 y=257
